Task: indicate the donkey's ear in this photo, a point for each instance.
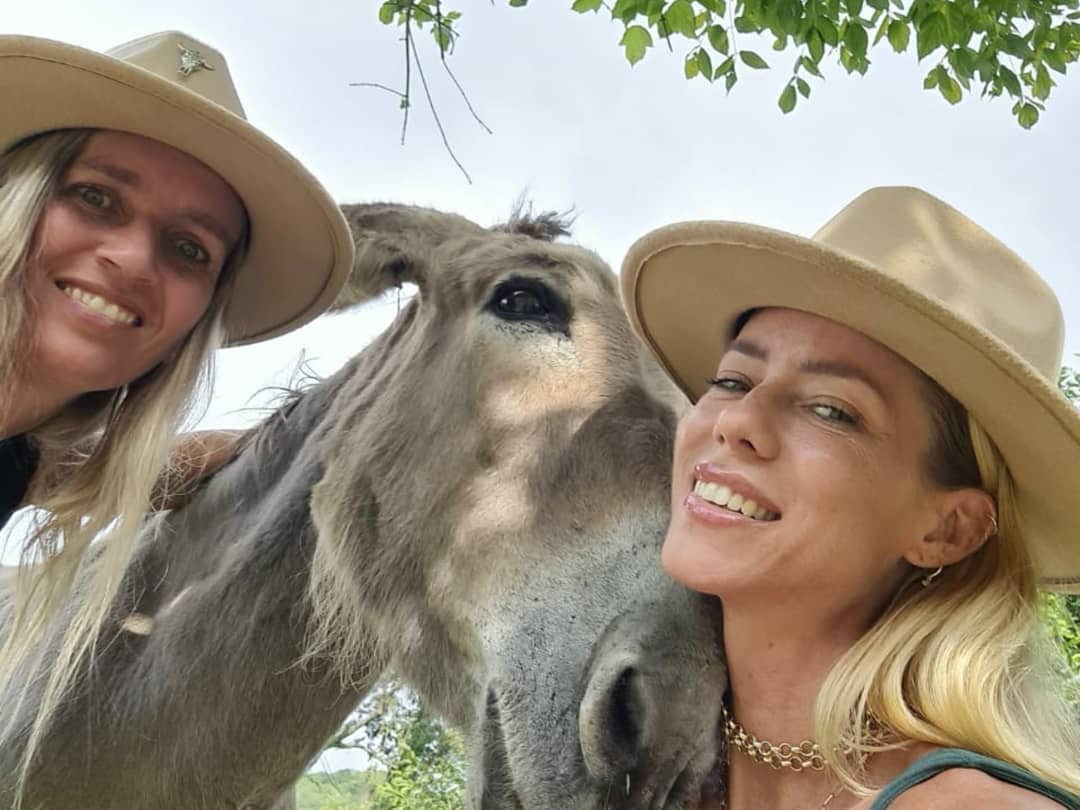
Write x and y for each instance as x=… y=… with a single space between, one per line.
x=395 y=244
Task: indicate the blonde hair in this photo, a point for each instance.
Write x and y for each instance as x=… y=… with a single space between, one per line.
x=102 y=491
x=964 y=663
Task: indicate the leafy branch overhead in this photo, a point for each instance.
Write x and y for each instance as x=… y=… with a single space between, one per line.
x=994 y=48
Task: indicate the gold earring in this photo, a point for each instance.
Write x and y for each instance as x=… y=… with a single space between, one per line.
x=930 y=577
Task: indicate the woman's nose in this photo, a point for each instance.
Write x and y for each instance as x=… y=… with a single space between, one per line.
x=131 y=252
x=748 y=426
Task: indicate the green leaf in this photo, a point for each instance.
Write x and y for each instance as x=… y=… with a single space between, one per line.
x=690 y=66
x=1028 y=116
x=856 y=39
x=899 y=35
x=744 y=25
x=724 y=67
x=878 y=5
x=854 y=7
x=753 y=60
x=718 y=38
x=1055 y=60
x=882 y=30
x=815 y=45
x=636 y=39
x=804 y=87
x=950 y=89
x=930 y=34
x=828 y=30
x=518 y=3
x=386 y=12
x=788 y=17
x=581 y=6
x=1009 y=81
x=729 y=82
x=625 y=10
x=705 y=63
x=931 y=80
x=1042 y=84
x=788 y=99
x=811 y=67
x=680 y=18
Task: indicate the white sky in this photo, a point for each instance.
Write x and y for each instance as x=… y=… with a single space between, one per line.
x=576 y=126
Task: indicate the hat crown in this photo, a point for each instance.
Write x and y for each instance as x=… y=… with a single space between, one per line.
x=185 y=61
x=930 y=246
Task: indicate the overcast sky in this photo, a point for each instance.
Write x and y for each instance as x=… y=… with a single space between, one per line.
x=575 y=126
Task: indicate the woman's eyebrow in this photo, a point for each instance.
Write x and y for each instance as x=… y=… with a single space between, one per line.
x=120 y=175
x=829 y=368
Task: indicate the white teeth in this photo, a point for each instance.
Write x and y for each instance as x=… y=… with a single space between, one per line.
x=110 y=310
x=723 y=496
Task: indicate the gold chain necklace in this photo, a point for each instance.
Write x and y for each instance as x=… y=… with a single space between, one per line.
x=795 y=758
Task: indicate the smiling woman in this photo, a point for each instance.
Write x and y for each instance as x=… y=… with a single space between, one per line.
x=876 y=478
x=143 y=223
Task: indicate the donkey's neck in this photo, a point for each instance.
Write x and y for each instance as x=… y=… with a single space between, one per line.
x=199 y=685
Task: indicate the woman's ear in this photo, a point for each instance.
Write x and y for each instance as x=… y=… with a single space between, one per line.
x=967 y=519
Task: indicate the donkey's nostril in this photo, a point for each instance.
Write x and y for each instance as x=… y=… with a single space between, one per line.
x=625 y=712
x=613 y=721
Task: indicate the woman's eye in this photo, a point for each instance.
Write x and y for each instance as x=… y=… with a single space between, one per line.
x=192 y=251
x=735 y=385
x=831 y=413
x=93 y=196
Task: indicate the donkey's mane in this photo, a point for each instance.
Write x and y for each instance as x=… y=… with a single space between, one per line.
x=547 y=226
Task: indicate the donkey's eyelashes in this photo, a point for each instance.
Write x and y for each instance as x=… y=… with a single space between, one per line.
x=530 y=301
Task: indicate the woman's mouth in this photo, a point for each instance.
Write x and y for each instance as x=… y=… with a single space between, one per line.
x=109 y=309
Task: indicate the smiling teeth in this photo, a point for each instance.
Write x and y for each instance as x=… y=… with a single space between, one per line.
x=723 y=496
x=111 y=311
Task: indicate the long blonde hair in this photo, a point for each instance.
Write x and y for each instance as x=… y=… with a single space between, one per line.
x=103 y=490
x=965 y=662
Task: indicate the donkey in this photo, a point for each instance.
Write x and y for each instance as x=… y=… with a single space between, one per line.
x=475 y=502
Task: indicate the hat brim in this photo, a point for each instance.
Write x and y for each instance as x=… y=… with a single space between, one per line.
x=686 y=285
x=300 y=249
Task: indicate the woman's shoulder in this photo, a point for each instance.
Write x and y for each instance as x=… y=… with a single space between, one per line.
x=971 y=787
x=951 y=777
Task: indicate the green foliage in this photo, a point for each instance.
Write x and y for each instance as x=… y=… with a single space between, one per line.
x=417 y=763
x=341 y=790
x=993 y=47
x=1061 y=612
x=428 y=773
x=1061 y=617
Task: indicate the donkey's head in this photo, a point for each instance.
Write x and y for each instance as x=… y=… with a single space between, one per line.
x=496 y=489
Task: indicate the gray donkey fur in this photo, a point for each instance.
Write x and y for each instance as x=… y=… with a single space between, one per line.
x=475 y=502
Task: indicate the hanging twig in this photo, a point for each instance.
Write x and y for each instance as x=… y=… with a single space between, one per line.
x=408 y=76
x=468 y=103
x=378 y=86
x=435 y=115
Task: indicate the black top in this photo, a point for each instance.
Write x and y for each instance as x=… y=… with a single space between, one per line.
x=18 y=460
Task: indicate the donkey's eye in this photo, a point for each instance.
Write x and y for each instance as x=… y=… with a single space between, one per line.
x=530 y=301
x=524 y=303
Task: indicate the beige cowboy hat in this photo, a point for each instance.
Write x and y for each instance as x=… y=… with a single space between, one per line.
x=916 y=275
x=175 y=89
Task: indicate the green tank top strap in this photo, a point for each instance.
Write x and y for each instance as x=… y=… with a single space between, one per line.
x=935 y=762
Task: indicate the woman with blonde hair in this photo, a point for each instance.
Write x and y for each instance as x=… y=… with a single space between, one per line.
x=876 y=478
x=143 y=223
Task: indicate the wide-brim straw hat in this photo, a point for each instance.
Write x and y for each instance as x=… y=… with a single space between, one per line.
x=916 y=275
x=175 y=89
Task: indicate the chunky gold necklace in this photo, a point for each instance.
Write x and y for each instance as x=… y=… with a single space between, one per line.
x=795 y=758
